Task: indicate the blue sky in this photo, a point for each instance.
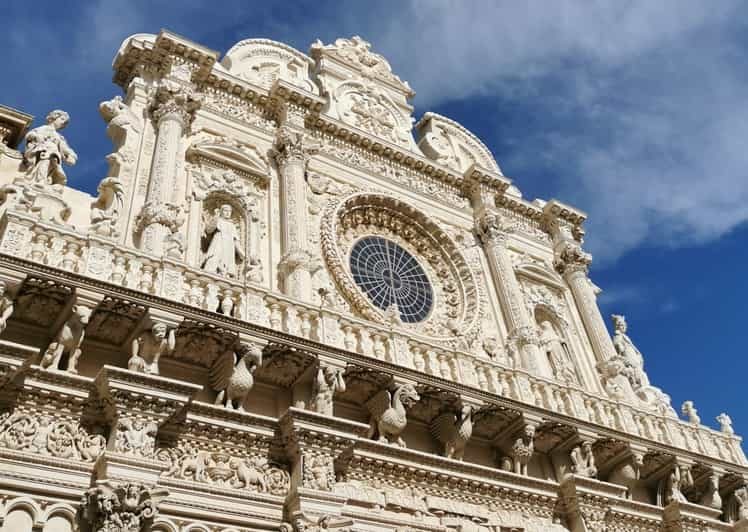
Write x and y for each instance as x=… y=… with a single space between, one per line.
x=634 y=111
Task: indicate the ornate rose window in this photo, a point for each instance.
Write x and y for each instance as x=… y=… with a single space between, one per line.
x=393 y=264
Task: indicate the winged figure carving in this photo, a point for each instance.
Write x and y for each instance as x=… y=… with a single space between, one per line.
x=232 y=375
x=453 y=430
x=389 y=413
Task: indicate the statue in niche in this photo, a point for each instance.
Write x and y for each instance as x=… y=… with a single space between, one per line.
x=6 y=306
x=329 y=380
x=224 y=251
x=632 y=358
x=147 y=349
x=46 y=151
x=106 y=209
x=558 y=353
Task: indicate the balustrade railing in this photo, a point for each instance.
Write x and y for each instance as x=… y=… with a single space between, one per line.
x=101 y=259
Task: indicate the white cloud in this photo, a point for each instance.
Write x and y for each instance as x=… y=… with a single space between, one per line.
x=644 y=102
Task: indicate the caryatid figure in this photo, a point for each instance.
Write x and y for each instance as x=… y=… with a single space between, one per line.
x=224 y=251
x=328 y=381
x=47 y=149
x=147 y=349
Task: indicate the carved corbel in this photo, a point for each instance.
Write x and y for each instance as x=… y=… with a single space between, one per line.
x=301 y=522
x=453 y=428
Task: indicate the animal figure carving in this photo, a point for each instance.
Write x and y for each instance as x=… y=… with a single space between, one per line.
x=454 y=431
x=389 y=413
x=232 y=376
x=195 y=466
x=627 y=473
x=68 y=341
x=523 y=449
x=250 y=473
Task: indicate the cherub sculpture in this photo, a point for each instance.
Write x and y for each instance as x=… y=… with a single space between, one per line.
x=6 y=306
x=146 y=349
x=224 y=250
x=389 y=413
x=725 y=424
x=328 y=381
x=68 y=341
x=106 y=209
x=232 y=375
x=688 y=410
x=454 y=430
x=583 y=460
x=46 y=151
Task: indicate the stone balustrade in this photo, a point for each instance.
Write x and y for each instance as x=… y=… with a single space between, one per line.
x=58 y=247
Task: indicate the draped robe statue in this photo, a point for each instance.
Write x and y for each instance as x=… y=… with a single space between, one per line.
x=46 y=150
x=632 y=358
x=558 y=353
x=224 y=251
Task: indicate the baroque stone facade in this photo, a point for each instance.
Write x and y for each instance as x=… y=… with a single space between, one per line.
x=290 y=308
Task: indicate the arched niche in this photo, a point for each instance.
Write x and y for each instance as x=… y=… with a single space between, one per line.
x=215 y=234
x=559 y=359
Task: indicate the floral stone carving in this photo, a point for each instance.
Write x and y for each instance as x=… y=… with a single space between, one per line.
x=44 y=435
x=120 y=507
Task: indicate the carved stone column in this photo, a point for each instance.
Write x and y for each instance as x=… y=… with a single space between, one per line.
x=173 y=109
x=494 y=236
x=297 y=263
x=572 y=262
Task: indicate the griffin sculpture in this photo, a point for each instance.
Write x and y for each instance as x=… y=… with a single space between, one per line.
x=388 y=413
x=453 y=430
x=232 y=375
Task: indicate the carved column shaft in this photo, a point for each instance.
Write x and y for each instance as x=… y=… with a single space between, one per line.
x=173 y=110
x=581 y=289
x=296 y=266
x=520 y=324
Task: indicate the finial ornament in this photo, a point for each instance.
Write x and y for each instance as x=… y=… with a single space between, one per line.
x=725 y=424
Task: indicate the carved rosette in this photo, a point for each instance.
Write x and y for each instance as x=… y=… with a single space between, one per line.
x=457 y=306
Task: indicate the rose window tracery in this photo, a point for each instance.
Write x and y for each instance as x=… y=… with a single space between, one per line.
x=389 y=276
x=390 y=260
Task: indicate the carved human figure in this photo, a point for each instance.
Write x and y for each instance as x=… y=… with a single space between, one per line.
x=6 y=306
x=124 y=507
x=678 y=480
x=136 y=436
x=68 y=342
x=224 y=250
x=46 y=151
x=146 y=349
x=725 y=424
x=328 y=381
x=318 y=473
x=557 y=352
x=583 y=460
x=106 y=209
x=688 y=410
x=631 y=356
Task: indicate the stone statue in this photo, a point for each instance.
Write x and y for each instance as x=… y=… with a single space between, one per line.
x=678 y=480
x=68 y=341
x=149 y=346
x=136 y=436
x=583 y=460
x=6 y=306
x=47 y=150
x=557 y=352
x=113 y=506
x=224 y=250
x=628 y=473
x=520 y=452
x=453 y=431
x=725 y=424
x=106 y=209
x=389 y=413
x=632 y=358
x=328 y=381
x=688 y=410
x=232 y=375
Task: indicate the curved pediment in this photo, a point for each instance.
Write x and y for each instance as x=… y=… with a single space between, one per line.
x=241 y=157
x=540 y=274
x=262 y=62
x=450 y=144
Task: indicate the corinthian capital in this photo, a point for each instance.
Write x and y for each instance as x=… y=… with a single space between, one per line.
x=569 y=257
x=174 y=101
x=490 y=228
x=126 y=507
x=291 y=146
